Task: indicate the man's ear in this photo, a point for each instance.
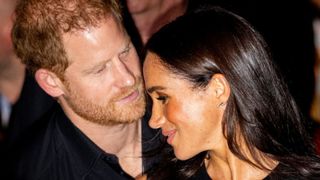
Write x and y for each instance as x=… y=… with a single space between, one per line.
x=49 y=82
x=220 y=87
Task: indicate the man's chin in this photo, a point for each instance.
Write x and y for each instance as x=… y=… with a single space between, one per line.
x=124 y=120
x=133 y=113
x=127 y=114
x=109 y=114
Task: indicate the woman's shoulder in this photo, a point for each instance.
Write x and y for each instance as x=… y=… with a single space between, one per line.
x=289 y=173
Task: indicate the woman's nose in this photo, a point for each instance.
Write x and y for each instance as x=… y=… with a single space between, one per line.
x=157 y=119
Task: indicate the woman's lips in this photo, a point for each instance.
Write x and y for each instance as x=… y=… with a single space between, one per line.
x=170 y=135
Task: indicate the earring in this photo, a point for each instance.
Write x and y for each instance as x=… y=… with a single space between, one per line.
x=207 y=156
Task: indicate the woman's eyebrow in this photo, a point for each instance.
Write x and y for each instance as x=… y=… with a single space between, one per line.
x=154 y=88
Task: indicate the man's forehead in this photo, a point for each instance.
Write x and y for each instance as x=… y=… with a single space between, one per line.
x=99 y=45
x=107 y=22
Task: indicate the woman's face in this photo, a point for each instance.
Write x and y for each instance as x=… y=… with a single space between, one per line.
x=190 y=118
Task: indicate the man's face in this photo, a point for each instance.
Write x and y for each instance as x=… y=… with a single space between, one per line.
x=103 y=83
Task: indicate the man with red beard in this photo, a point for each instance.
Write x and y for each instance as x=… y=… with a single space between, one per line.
x=82 y=56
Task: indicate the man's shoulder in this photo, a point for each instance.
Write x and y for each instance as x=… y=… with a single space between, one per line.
x=37 y=152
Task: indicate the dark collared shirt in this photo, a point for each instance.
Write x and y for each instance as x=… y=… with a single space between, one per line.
x=61 y=151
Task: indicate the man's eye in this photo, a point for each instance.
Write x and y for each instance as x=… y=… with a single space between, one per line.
x=101 y=69
x=125 y=52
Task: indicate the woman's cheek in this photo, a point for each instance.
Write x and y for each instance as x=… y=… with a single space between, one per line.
x=172 y=111
x=175 y=113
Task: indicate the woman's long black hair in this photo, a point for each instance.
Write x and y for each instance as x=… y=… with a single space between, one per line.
x=260 y=108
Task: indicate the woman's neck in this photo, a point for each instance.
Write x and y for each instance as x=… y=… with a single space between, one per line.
x=223 y=164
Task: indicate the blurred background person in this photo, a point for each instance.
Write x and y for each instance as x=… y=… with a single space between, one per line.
x=150 y=15
x=12 y=71
x=316 y=26
x=142 y=18
x=315 y=111
x=23 y=102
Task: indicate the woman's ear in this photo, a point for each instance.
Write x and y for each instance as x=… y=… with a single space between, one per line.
x=220 y=88
x=49 y=82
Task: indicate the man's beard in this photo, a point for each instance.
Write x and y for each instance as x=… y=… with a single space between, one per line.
x=109 y=113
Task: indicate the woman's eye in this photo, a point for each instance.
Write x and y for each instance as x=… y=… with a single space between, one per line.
x=163 y=99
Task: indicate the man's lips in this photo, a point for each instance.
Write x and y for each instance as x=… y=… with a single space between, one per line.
x=131 y=97
x=170 y=135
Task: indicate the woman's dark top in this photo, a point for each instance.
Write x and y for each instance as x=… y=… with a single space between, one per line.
x=274 y=175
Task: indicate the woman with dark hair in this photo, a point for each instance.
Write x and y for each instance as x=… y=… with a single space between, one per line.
x=221 y=103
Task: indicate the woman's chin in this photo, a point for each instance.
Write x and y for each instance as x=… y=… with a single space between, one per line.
x=182 y=156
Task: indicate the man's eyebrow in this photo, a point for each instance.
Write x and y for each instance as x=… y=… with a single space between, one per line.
x=155 y=88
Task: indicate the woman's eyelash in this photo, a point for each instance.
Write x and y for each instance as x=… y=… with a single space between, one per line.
x=162 y=98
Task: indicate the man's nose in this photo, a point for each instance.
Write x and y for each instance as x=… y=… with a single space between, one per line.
x=124 y=76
